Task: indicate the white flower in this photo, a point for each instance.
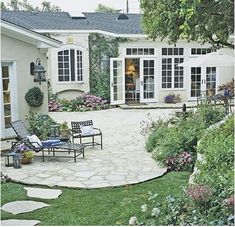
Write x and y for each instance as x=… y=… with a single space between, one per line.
x=144 y=208
x=155 y=212
x=133 y=221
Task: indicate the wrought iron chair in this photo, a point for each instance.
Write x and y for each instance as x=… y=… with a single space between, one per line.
x=52 y=146
x=85 y=129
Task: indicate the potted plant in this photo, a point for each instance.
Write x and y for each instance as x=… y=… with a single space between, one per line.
x=64 y=130
x=170 y=98
x=26 y=154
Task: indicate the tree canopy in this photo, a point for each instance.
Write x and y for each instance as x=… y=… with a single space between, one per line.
x=18 y=5
x=105 y=9
x=209 y=21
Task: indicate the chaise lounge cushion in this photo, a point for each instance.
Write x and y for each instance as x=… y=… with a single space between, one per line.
x=35 y=141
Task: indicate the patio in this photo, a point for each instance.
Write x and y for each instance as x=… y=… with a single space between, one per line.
x=123 y=160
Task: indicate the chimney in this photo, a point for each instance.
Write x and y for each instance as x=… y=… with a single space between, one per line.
x=127 y=6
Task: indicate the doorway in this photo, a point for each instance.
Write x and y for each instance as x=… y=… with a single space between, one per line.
x=132 y=80
x=9 y=104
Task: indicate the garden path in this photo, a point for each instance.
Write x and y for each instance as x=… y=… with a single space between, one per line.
x=123 y=160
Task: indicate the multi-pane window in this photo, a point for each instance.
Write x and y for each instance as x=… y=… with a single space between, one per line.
x=140 y=51
x=70 y=66
x=200 y=51
x=172 y=74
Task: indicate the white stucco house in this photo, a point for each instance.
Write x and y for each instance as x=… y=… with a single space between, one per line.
x=145 y=70
x=20 y=47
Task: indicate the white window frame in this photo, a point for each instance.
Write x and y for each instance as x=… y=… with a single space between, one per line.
x=75 y=65
x=172 y=57
x=140 y=55
x=201 y=51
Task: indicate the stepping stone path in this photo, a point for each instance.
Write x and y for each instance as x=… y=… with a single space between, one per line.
x=18 y=222
x=19 y=207
x=43 y=193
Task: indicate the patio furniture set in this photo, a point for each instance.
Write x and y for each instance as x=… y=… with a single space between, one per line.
x=54 y=146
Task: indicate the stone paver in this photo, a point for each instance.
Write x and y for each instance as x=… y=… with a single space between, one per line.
x=122 y=161
x=43 y=193
x=19 y=207
x=18 y=222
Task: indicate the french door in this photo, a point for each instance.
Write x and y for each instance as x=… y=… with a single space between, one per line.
x=203 y=79
x=147 y=80
x=117 y=81
x=8 y=95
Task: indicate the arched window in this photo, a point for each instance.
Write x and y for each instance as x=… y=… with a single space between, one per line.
x=70 y=66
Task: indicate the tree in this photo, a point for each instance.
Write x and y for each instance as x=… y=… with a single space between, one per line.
x=105 y=9
x=17 y=5
x=209 y=21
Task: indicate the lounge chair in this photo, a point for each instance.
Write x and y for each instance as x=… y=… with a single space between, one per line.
x=52 y=146
x=85 y=129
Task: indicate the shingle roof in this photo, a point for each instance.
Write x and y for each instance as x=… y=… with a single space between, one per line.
x=62 y=20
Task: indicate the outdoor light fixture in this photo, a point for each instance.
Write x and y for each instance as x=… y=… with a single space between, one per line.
x=38 y=71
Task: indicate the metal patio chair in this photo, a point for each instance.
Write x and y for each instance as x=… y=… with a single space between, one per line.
x=52 y=146
x=85 y=129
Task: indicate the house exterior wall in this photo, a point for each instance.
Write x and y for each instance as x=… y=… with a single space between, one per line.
x=69 y=90
x=224 y=74
x=20 y=55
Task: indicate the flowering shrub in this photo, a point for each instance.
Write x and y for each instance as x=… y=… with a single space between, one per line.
x=227 y=87
x=93 y=101
x=53 y=105
x=83 y=103
x=198 y=193
x=181 y=162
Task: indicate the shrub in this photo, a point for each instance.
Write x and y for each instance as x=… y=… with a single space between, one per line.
x=217 y=169
x=34 y=97
x=228 y=87
x=168 y=141
x=39 y=124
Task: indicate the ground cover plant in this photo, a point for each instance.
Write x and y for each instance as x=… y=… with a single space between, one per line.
x=173 y=141
x=108 y=206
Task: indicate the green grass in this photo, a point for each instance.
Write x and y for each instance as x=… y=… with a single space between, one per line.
x=109 y=206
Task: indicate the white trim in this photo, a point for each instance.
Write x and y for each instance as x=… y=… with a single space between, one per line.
x=13 y=97
x=75 y=48
x=78 y=31
x=121 y=101
x=28 y=35
x=142 y=99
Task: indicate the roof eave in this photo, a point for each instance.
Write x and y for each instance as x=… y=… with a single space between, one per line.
x=27 y=35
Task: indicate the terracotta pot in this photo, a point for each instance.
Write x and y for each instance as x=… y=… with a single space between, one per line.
x=26 y=161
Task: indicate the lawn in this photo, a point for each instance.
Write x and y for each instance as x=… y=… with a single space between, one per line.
x=109 y=206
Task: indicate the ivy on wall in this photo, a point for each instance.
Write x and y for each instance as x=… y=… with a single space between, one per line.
x=102 y=48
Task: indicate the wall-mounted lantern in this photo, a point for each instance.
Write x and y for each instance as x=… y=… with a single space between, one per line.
x=38 y=71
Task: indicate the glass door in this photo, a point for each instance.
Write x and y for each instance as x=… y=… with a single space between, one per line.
x=147 y=80
x=203 y=80
x=9 y=106
x=117 y=81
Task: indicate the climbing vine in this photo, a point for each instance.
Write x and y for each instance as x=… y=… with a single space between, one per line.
x=102 y=48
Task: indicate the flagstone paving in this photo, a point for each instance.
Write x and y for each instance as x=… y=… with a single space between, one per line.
x=122 y=161
x=18 y=222
x=43 y=193
x=19 y=207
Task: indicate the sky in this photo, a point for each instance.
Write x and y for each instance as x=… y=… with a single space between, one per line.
x=89 y=5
